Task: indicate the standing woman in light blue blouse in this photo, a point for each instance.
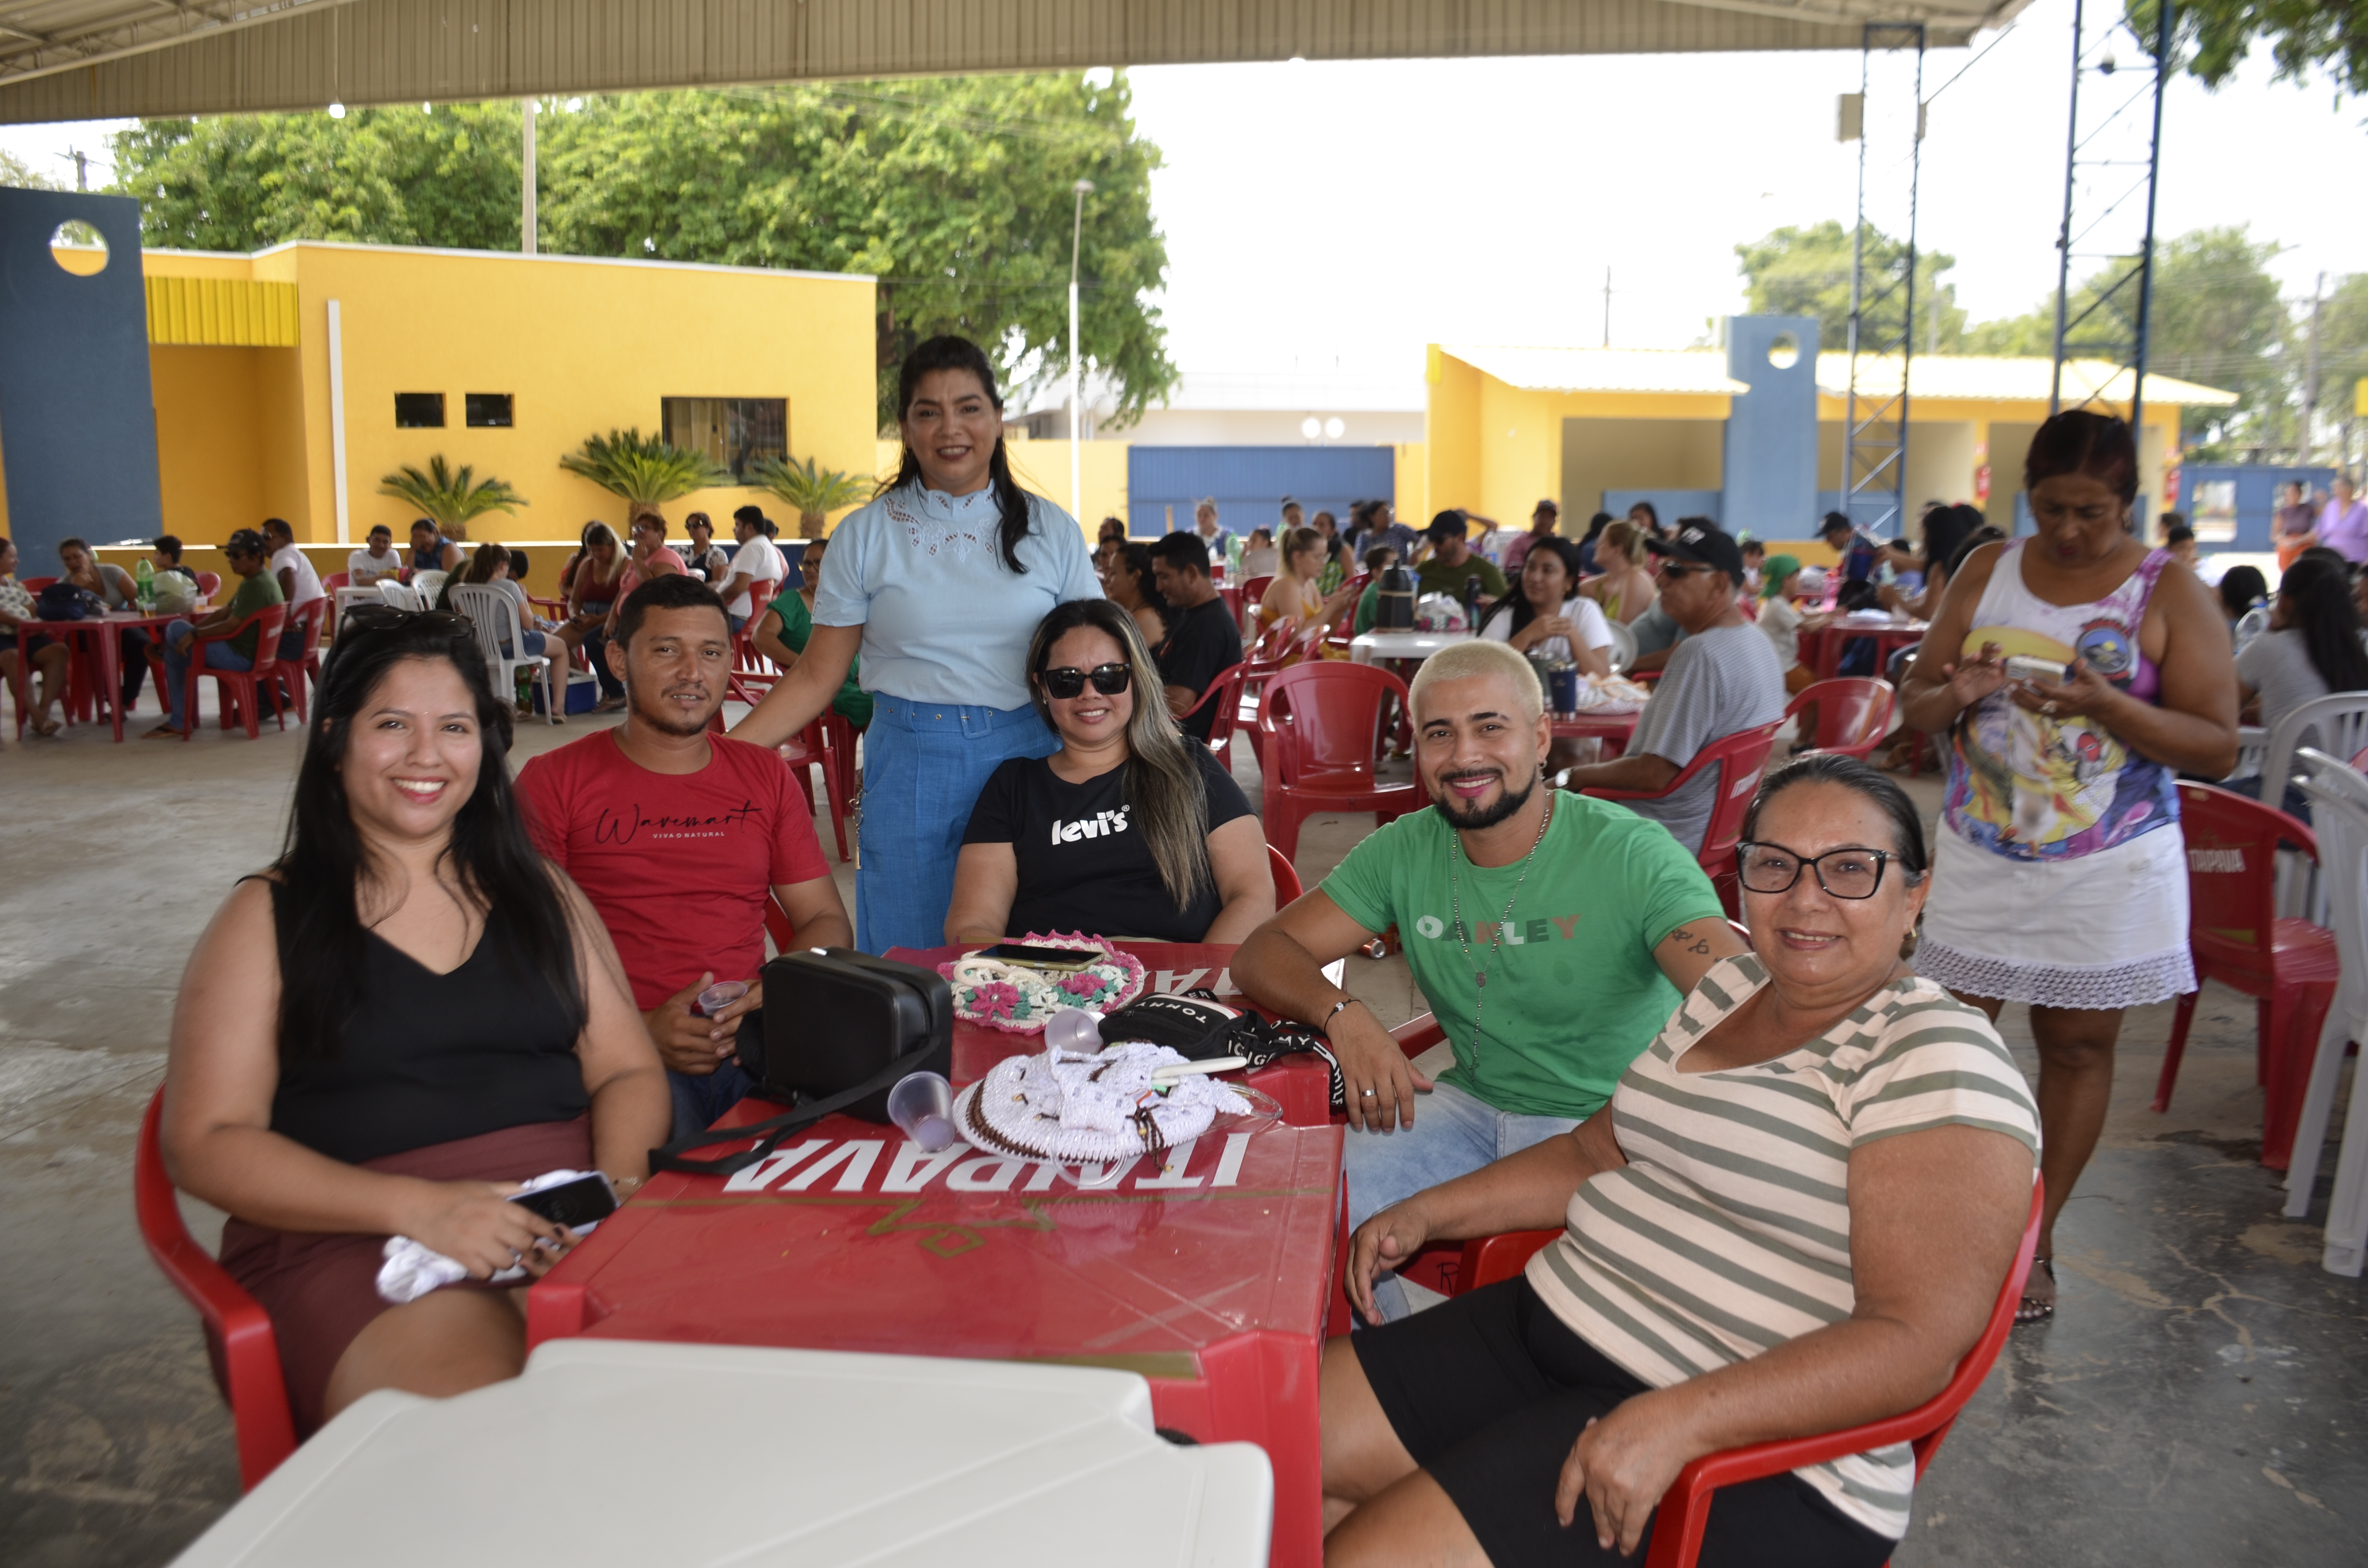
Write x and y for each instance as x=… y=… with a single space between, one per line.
x=938 y=583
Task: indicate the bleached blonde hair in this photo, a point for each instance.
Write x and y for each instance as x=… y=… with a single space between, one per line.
x=1480 y=657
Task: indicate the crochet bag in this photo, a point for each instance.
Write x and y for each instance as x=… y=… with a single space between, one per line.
x=1197 y=1026
x=847 y=1026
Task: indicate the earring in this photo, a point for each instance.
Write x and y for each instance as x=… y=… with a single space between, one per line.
x=1915 y=934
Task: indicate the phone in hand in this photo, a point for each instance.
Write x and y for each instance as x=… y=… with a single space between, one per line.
x=1056 y=960
x=574 y=1204
x=2023 y=666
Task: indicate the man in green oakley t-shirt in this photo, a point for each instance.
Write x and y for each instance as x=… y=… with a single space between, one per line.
x=1553 y=936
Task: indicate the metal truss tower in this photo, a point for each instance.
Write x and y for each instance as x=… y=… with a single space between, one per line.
x=2113 y=153
x=1875 y=451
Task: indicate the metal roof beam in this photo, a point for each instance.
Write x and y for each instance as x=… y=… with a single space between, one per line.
x=255 y=55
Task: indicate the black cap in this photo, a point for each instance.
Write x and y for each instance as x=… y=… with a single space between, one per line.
x=245 y=542
x=1705 y=546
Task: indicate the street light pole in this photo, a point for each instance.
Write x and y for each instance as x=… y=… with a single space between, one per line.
x=1076 y=232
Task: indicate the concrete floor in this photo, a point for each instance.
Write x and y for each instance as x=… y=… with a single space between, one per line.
x=2197 y=1399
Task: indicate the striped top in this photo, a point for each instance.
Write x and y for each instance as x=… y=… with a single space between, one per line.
x=1727 y=1232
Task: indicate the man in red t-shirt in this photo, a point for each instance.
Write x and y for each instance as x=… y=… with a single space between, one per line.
x=678 y=836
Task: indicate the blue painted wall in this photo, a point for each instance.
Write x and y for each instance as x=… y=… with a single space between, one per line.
x=1250 y=482
x=2257 y=487
x=1771 y=430
x=78 y=419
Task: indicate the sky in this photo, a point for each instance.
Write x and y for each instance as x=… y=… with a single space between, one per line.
x=1324 y=215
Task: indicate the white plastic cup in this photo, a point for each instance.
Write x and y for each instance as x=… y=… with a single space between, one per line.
x=1078 y=1030
x=922 y=1105
x=718 y=996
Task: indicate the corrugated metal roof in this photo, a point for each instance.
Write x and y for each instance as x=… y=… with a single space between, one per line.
x=1677 y=370
x=109 y=59
x=222 y=313
x=2002 y=379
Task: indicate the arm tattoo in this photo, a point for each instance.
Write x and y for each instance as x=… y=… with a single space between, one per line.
x=1693 y=943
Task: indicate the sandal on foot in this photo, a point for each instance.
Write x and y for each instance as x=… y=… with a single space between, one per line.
x=2032 y=1309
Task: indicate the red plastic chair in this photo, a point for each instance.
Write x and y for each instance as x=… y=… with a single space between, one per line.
x=34 y=585
x=1741 y=758
x=1318 y=721
x=312 y=618
x=1274 y=649
x=1286 y=878
x=1225 y=691
x=1684 y=1511
x=1253 y=595
x=239 y=1339
x=744 y=647
x=814 y=747
x=2289 y=967
x=1853 y=714
x=1344 y=625
x=335 y=580
x=240 y=691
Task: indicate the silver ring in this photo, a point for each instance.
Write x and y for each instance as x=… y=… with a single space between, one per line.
x=2048 y=709
x=1367 y=1093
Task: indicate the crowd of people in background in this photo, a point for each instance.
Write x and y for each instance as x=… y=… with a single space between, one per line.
x=550 y=981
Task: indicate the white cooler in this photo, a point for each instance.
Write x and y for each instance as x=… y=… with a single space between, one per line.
x=649 y=1456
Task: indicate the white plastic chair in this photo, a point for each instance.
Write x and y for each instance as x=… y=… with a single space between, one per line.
x=494 y=618
x=2251 y=624
x=400 y=595
x=2339 y=721
x=428 y=585
x=2338 y=802
x=2251 y=742
x=1623 y=646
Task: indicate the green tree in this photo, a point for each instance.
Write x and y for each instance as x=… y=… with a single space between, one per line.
x=2342 y=345
x=2217 y=322
x=954 y=191
x=2216 y=35
x=15 y=171
x=443 y=177
x=1806 y=271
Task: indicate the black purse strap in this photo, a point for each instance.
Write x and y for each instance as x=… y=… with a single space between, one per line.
x=773 y=1130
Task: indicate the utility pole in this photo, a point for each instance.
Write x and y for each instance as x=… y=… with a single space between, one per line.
x=1607 y=307
x=82 y=166
x=526 y=186
x=1077 y=423
x=2310 y=376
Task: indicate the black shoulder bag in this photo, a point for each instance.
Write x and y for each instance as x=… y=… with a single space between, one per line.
x=838 y=1029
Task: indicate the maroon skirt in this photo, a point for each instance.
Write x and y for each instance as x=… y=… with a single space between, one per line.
x=322 y=1291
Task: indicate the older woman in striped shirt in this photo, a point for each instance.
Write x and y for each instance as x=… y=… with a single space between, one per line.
x=1792 y=1217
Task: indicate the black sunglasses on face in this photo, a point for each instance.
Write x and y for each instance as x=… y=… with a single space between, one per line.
x=386 y=618
x=1068 y=681
x=1772 y=868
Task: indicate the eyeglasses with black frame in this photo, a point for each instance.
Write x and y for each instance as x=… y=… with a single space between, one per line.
x=1068 y=680
x=1770 y=868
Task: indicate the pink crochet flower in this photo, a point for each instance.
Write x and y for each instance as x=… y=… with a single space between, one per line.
x=1084 y=983
x=997 y=1000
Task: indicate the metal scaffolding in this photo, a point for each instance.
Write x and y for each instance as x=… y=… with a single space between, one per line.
x=2112 y=153
x=1874 y=449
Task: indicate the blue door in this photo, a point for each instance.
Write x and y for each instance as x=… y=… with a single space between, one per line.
x=1164 y=483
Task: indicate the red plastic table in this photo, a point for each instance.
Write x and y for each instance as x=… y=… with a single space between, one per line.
x=105 y=651
x=1208 y=1272
x=1612 y=729
x=1821 y=647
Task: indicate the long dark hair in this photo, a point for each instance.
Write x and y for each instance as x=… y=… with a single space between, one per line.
x=1136 y=561
x=952 y=353
x=1522 y=610
x=2317 y=597
x=323 y=866
x=1162 y=778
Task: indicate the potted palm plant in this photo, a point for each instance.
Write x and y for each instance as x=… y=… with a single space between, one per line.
x=813 y=490
x=647 y=471
x=450 y=497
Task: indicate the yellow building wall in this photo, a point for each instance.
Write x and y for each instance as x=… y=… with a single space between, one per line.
x=582 y=347
x=1411 y=480
x=1636 y=454
x=1451 y=438
x=1044 y=466
x=210 y=430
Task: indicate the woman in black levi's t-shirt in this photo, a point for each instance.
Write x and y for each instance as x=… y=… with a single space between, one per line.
x=1128 y=830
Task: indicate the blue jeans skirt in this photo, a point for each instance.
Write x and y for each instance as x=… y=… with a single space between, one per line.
x=924 y=764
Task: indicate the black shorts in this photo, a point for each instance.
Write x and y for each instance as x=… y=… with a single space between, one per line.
x=1489 y=1391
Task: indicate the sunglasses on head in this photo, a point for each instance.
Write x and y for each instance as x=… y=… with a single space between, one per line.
x=1068 y=681
x=386 y=618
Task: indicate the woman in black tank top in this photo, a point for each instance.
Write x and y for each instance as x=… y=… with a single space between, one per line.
x=409 y=1014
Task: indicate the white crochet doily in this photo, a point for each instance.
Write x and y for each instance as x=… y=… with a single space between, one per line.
x=1078 y=1108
